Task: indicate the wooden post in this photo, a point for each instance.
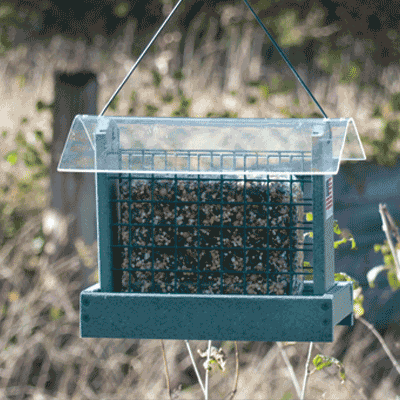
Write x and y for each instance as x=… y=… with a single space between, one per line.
x=73 y=194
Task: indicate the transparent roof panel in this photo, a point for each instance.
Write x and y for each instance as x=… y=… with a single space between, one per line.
x=210 y=145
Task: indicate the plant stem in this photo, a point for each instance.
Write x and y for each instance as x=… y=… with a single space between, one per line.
x=166 y=369
x=208 y=360
x=390 y=229
x=382 y=342
x=195 y=368
x=306 y=373
x=290 y=368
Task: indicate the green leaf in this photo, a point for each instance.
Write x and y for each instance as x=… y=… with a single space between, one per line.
x=358 y=308
x=309 y=217
x=337 y=243
x=336 y=228
x=392 y=279
x=12 y=157
x=320 y=362
x=56 y=313
x=377 y=248
x=342 y=276
x=353 y=244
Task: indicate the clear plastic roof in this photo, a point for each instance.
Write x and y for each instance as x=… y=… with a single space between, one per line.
x=210 y=145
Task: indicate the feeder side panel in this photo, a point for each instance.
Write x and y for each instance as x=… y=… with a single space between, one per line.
x=323 y=257
x=103 y=232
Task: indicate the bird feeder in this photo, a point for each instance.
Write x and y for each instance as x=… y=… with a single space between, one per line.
x=202 y=229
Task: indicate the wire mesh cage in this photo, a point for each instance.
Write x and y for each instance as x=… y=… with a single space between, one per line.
x=215 y=235
x=201 y=224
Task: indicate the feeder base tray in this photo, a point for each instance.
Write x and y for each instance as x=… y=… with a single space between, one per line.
x=302 y=318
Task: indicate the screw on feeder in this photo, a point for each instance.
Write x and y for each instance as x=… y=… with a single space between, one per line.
x=208 y=232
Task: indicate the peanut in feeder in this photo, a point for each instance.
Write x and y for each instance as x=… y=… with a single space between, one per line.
x=206 y=240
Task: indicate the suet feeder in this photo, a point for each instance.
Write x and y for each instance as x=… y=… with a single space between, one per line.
x=201 y=226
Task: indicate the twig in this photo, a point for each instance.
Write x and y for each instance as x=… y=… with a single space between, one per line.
x=195 y=368
x=234 y=390
x=290 y=368
x=207 y=371
x=382 y=342
x=388 y=229
x=307 y=372
x=166 y=369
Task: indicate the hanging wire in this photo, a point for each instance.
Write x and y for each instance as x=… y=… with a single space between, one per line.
x=139 y=59
x=262 y=26
x=285 y=58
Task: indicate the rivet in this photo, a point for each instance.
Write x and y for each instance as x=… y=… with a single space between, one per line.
x=86 y=318
x=85 y=301
x=325 y=306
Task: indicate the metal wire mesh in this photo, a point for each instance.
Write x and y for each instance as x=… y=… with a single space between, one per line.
x=209 y=234
x=222 y=161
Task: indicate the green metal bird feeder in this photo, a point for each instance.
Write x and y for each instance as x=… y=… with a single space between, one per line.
x=201 y=225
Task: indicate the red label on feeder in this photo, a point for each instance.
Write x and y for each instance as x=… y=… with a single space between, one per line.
x=329 y=196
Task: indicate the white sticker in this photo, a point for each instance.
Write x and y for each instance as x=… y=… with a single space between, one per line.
x=328 y=196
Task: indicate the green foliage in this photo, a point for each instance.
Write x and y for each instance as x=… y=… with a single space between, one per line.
x=251 y=84
x=350 y=73
x=226 y=114
x=133 y=101
x=251 y=99
x=12 y=157
x=157 y=78
x=151 y=110
x=56 y=313
x=320 y=362
x=19 y=197
x=287 y=396
x=122 y=9
x=389 y=266
x=358 y=297
x=183 y=110
x=168 y=98
x=395 y=102
x=336 y=229
x=330 y=60
x=265 y=91
x=178 y=75
x=42 y=106
x=377 y=113
x=114 y=103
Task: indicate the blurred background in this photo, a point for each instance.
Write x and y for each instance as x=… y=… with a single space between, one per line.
x=58 y=59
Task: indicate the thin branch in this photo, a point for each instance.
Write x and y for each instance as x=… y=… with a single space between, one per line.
x=382 y=342
x=389 y=228
x=195 y=368
x=234 y=390
x=207 y=371
x=290 y=368
x=307 y=372
x=166 y=369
